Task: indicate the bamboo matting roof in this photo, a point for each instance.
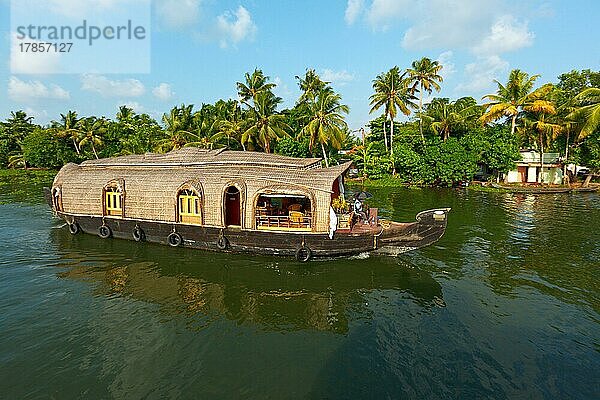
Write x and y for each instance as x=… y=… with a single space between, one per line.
x=151 y=182
x=193 y=156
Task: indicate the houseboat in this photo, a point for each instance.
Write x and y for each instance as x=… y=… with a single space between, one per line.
x=224 y=200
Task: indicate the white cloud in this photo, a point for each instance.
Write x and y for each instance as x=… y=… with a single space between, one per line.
x=233 y=28
x=227 y=29
x=178 y=14
x=448 y=68
x=39 y=63
x=112 y=88
x=486 y=29
x=466 y=24
x=340 y=77
x=353 y=10
x=481 y=74
x=164 y=91
x=507 y=34
x=31 y=91
x=283 y=90
x=382 y=12
x=444 y=23
x=39 y=115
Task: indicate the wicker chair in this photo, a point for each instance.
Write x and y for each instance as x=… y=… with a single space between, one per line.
x=296 y=219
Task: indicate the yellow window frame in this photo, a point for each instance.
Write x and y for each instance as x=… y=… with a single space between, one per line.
x=190 y=207
x=113 y=202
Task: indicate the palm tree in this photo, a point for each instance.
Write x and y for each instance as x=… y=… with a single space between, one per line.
x=16 y=158
x=92 y=129
x=125 y=114
x=178 y=127
x=449 y=117
x=311 y=85
x=588 y=111
x=254 y=84
x=232 y=130
x=265 y=123
x=326 y=125
x=68 y=128
x=12 y=133
x=425 y=76
x=538 y=113
x=391 y=92
x=510 y=100
x=205 y=125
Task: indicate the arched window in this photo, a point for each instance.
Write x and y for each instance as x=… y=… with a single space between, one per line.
x=189 y=206
x=113 y=199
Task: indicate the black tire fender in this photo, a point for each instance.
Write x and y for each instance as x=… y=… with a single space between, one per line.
x=74 y=228
x=138 y=234
x=174 y=239
x=303 y=254
x=104 y=232
x=222 y=243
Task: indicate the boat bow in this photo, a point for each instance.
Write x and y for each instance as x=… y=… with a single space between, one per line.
x=429 y=227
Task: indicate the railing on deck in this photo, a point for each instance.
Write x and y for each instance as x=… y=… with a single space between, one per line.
x=296 y=222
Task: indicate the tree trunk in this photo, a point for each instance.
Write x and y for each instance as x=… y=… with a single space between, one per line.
x=392 y=137
x=325 y=155
x=421 y=112
x=392 y=148
x=384 y=133
x=76 y=147
x=588 y=178
x=566 y=179
x=513 y=125
x=541 y=176
x=94 y=149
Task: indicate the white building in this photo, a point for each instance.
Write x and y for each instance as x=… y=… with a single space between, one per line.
x=529 y=169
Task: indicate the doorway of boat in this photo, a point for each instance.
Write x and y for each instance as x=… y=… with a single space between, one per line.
x=232 y=206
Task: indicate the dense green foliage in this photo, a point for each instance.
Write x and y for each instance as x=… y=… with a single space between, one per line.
x=293 y=148
x=443 y=142
x=42 y=149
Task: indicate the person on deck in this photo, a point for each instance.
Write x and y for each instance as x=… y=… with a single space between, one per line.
x=358 y=209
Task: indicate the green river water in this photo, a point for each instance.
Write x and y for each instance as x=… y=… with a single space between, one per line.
x=505 y=306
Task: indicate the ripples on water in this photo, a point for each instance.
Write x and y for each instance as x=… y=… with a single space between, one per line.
x=504 y=306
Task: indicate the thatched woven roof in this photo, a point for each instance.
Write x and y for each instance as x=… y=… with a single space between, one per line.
x=193 y=156
x=151 y=182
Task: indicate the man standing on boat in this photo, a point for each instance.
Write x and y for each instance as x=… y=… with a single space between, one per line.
x=358 y=209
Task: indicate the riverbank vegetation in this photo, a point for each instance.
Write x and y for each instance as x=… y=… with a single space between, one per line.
x=439 y=142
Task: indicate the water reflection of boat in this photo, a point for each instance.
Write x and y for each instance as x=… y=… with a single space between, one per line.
x=228 y=201
x=280 y=296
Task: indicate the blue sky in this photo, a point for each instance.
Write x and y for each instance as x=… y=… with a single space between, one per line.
x=200 y=48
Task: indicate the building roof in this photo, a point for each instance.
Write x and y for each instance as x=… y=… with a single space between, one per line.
x=196 y=157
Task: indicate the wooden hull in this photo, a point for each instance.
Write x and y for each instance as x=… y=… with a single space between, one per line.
x=396 y=237
x=542 y=190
